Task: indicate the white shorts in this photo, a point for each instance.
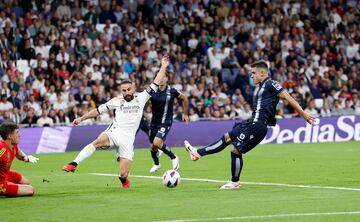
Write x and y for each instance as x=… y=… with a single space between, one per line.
x=120 y=142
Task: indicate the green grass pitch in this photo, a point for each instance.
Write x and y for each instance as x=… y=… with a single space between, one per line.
x=81 y=196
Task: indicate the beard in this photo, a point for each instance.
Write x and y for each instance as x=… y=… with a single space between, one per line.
x=128 y=98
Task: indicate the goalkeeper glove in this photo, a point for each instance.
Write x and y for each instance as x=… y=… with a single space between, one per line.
x=31 y=159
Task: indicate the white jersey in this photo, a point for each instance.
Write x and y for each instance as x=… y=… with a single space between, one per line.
x=128 y=114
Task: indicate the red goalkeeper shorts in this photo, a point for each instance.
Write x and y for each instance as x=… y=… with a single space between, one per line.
x=10 y=186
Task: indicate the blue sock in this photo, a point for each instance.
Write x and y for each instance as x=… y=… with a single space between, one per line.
x=214 y=147
x=236 y=166
x=154 y=155
x=167 y=151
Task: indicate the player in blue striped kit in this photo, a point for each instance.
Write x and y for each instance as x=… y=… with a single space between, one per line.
x=246 y=135
x=162 y=103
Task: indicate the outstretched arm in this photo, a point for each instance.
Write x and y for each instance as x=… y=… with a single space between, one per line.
x=285 y=96
x=185 y=104
x=20 y=155
x=92 y=114
x=161 y=74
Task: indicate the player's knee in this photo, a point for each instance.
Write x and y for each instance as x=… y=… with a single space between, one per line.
x=26 y=190
x=153 y=147
x=25 y=181
x=31 y=190
x=235 y=150
x=96 y=143
x=227 y=138
x=158 y=143
x=101 y=141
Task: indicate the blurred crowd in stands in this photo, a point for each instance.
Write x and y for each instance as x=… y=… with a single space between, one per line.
x=59 y=59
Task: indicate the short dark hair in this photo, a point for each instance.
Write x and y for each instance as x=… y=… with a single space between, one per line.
x=6 y=129
x=126 y=81
x=260 y=64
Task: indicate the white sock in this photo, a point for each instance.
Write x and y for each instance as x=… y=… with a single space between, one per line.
x=87 y=151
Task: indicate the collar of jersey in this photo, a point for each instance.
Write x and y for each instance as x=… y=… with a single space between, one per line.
x=266 y=79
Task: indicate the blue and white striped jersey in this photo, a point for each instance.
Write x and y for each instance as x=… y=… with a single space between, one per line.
x=266 y=97
x=162 y=105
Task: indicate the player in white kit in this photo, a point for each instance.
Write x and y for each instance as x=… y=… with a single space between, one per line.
x=121 y=133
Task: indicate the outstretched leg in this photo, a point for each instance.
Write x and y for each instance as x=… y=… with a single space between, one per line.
x=101 y=141
x=215 y=147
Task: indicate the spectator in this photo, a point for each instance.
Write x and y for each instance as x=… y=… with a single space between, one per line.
x=44 y=120
x=106 y=15
x=193 y=116
x=63 y=119
x=28 y=52
x=15 y=116
x=215 y=60
x=39 y=84
x=348 y=110
x=5 y=105
x=51 y=94
x=63 y=10
x=336 y=110
x=42 y=49
x=30 y=118
x=74 y=113
x=246 y=112
x=311 y=108
x=89 y=102
x=60 y=104
x=80 y=96
x=325 y=110
x=314 y=88
x=16 y=102
x=62 y=57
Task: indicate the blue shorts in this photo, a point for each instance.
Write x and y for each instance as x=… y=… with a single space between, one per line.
x=247 y=134
x=159 y=131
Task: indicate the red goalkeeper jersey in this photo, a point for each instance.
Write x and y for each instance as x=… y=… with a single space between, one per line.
x=6 y=158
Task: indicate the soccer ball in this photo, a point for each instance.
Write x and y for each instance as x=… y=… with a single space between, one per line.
x=171 y=178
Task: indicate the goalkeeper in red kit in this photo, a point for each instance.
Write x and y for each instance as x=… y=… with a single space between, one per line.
x=13 y=183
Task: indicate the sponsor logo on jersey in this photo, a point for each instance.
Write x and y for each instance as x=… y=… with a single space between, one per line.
x=130 y=108
x=242 y=136
x=276 y=85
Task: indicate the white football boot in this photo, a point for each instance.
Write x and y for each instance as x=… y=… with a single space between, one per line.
x=230 y=185
x=155 y=168
x=175 y=163
x=192 y=151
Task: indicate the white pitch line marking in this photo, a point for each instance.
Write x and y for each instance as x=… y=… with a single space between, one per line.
x=250 y=183
x=266 y=216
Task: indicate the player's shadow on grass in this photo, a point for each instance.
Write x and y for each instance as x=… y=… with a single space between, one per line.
x=81 y=192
